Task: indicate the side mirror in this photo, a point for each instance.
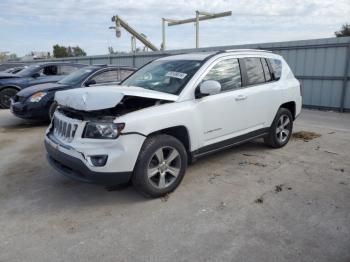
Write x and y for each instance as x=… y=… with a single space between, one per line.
x=35 y=75
x=209 y=87
x=90 y=82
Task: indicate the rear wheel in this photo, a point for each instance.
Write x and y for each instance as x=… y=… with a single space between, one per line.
x=161 y=165
x=5 y=96
x=281 y=129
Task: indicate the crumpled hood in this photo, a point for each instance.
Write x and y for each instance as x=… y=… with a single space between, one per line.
x=104 y=97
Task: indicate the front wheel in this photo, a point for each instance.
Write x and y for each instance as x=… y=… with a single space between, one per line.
x=5 y=96
x=161 y=165
x=281 y=129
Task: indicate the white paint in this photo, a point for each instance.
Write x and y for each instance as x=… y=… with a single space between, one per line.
x=208 y=120
x=103 y=97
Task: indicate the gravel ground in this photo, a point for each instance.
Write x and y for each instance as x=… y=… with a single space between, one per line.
x=249 y=203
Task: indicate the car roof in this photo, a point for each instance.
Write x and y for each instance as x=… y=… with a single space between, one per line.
x=112 y=66
x=201 y=56
x=56 y=63
x=190 y=56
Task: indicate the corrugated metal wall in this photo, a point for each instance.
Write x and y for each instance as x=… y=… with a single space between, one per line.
x=321 y=65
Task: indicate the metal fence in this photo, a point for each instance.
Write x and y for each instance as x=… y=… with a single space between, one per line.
x=321 y=65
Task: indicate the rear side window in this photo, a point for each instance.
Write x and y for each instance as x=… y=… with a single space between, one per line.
x=107 y=77
x=124 y=74
x=254 y=69
x=266 y=70
x=227 y=73
x=50 y=70
x=276 y=67
x=66 y=69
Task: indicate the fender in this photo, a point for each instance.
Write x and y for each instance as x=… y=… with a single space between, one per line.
x=18 y=88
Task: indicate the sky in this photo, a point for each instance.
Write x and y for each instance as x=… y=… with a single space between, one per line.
x=27 y=25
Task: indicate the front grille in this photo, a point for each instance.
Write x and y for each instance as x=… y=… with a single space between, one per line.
x=64 y=130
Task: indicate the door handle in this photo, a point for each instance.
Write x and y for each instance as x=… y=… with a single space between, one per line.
x=240 y=97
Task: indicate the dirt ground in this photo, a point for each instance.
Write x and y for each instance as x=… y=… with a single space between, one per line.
x=249 y=203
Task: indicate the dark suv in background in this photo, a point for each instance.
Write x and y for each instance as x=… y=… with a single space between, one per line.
x=37 y=102
x=34 y=74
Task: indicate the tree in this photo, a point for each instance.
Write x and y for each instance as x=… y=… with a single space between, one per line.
x=77 y=51
x=62 y=51
x=344 y=31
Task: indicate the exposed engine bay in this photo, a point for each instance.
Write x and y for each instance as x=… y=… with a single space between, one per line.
x=127 y=105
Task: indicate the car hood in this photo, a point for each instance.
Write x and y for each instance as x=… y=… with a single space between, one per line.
x=104 y=97
x=4 y=75
x=41 y=88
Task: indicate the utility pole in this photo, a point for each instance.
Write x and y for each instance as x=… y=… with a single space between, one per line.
x=200 y=16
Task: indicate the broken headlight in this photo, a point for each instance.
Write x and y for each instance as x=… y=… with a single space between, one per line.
x=103 y=130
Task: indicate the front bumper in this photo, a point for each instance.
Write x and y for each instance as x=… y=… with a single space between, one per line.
x=30 y=110
x=76 y=169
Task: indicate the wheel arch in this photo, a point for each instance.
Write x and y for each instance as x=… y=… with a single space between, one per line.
x=180 y=132
x=11 y=86
x=291 y=106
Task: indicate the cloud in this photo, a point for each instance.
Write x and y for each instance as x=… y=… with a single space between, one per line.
x=37 y=25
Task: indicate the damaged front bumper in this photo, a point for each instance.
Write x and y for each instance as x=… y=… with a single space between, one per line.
x=76 y=169
x=73 y=159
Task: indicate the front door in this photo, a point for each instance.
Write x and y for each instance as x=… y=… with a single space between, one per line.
x=221 y=115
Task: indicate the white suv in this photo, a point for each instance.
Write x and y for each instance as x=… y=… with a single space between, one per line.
x=170 y=112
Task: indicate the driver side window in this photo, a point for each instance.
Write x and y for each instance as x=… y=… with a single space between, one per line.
x=50 y=70
x=227 y=73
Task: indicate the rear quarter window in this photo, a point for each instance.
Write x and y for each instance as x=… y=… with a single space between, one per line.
x=276 y=67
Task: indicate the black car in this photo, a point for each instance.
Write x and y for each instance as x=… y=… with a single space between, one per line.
x=34 y=74
x=37 y=102
x=7 y=65
x=14 y=70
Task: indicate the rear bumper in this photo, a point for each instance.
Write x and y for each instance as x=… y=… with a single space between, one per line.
x=76 y=169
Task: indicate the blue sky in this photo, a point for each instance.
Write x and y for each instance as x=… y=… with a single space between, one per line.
x=37 y=25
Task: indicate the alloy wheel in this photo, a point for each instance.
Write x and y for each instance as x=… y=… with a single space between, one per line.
x=164 y=167
x=283 y=129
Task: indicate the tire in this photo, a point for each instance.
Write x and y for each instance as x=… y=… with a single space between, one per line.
x=52 y=110
x=5 y=96
x=281 y=129
x=155 y=174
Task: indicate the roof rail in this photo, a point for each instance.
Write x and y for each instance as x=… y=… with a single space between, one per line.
x=246 y=50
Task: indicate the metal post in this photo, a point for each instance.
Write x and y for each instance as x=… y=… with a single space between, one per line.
x=345 y=78
x=163 y=33
x=197 y=29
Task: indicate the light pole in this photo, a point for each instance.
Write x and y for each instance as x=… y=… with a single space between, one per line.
x=200 y=16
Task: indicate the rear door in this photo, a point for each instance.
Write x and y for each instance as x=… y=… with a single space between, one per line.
x=261 y=94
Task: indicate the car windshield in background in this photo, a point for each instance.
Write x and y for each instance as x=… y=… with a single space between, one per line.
x=169 y=76
x=77 y=76
x=28 y=71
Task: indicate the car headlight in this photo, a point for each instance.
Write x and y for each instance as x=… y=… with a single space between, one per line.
x=37 y=97
x=103 y=130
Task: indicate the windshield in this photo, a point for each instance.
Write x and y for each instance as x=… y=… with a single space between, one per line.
x=77 y=76
x=28 y=71
x=169 y=76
